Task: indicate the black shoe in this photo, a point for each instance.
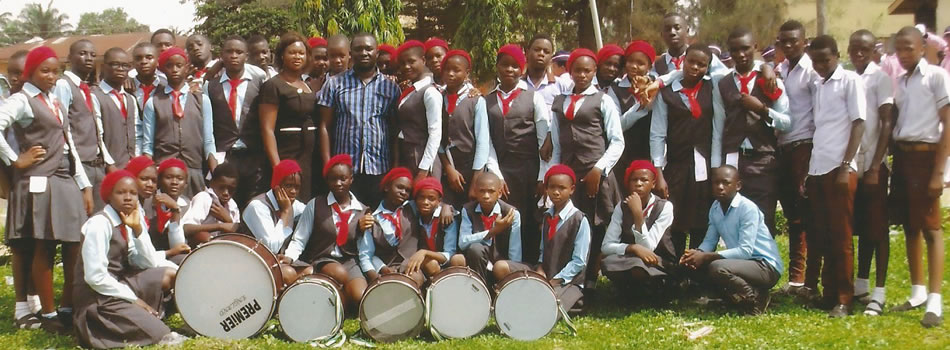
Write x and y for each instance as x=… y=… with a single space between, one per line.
x=822 y=304
x=907 y=306
x=52 y=325
x=65 y=317
x=931 y=320
x=840 y=311
x=761 y=303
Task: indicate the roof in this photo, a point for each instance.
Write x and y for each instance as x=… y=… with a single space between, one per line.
x=102 y=43
x=907 y=6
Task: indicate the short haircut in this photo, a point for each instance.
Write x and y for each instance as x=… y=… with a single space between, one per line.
x=338 y=40
x=18 y=55
x=674 y=14
x=910 y=31
x=540 y=36
x=112 y=51
x=824 y=42
x=234 y=37
x=75 y=45
x=863 y=33
x=255 y=39
x=163 y=31
x=144 y=44
x=289 y=38
x=488 y=176
x=199 y=36
x=363 y=34
x=792 y=25
x=226 y=169
x=701 y=47
x=739 y=32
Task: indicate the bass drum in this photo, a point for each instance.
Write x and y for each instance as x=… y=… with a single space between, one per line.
x=392 y=309
x=311 y=309
x=458 y=303
x=526 y=307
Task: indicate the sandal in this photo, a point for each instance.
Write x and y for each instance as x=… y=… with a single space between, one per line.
x=907 y=306
x=28 y=322
x=874 y=308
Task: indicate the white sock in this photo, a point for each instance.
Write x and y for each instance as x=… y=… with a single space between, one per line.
x=861 y=286
x=878 y=294
x=918 y=294
x=22 y=309
x=34 y=302
x=933 y=304
x=796 y=284
x=50 y=315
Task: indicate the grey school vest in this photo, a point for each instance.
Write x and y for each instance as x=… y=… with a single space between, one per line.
x=739 y=122
x=559 y=249
x=118 y=132
x=637 y=138
x=226 y=131
x=514 y=135
x=582 y=139
x=660 y=66
x=82 y=125
x=47 y=131
x=408 y=243
x=499 y=244
x=181 y=138
x=411 y=118
x=459 y=130
x=323 y=234
x=684 y=132
x=664 y=249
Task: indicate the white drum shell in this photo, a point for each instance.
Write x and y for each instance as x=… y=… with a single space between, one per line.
x=392 y=310
x=460 y=306
x=526 y=309
x=307 y=310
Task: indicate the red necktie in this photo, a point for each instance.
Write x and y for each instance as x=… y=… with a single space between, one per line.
x=342 y=227
x=570 y=108
x=488 y=221
x=85 y=91
x=506 y=102
x=394 y=219
x=453 y=98
x=678 y=61
x=691 y=94
x=200 y=73
x=430 y=239
x=406 y=92
x=176 y=104
x=125 y=112
x=552 y=226
x=162 y=216
x=744 y=82
x=125 y=233
x=147 y=92
x=233 y=97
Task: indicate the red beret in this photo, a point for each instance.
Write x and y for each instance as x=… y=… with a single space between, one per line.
x=316 y=41
x=394 y=174
x=137 y=164
x=172 y=163
x=560 y=169
x=515 y=52
x=429 y=183
x=173 y=51
x=109 y=182
x=387 y=49
x=607 y=51
x=338 y=159
x=282 y=170
x=436 y=42
x=457 y=52
x=578 y=53
x=34 y=58
x=409 y=45
x=642 y=47
x=638 y=165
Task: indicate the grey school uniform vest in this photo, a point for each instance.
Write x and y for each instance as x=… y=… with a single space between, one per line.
x=408 y=243
x=82 y=125
x=499 y=244
x=118 y=132
x=637 y=138
x=739 y=122
x=582 y=139
x=226 y=131
x=684 y=132
x=117 y=256
x=660 y=66
x=664 y=249
x=180 y=138
x=514 y=135
x=459 y=131
x=323 y=234
x=559 y=249
x=47 y=131
x=423 y=234
x=411 y=118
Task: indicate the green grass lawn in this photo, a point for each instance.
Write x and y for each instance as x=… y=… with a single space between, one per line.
x=612 y=324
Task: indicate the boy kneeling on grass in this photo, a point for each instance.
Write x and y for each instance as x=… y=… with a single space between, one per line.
x=750 y=265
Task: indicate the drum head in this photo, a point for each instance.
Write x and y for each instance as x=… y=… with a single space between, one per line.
x=460 y=306
x=224 y=290
x=526 y=309
x=391 y=311
x=308 y=310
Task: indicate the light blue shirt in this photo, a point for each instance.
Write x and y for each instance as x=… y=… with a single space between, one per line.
x=133 y=114
x=451 y=238
x=743 y=230
x=581 y=243
x=467 y=237
x=207 y=122
x=304 y=227
x=611 y=130
x=483 y=144
x=781 y=120
x=367 y=246
x=659 y=124
x=715 y=67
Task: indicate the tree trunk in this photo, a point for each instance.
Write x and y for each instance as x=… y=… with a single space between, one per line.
x=585 y=28
x=822 y=6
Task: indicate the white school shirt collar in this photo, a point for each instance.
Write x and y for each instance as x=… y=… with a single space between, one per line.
x=355 y=204
x=921 y=68
x=185 y=88
x=421 y=83
x=565 y=212
x=836 y=75
x=72 y=77
x=435 y=215
x=803 y=63
x=112 y=215
x=521 y=85
x=494 y=210
x=155 y=82
x=106 y=88
x=382 y=209
x=590 y=90
x=871 y=69
x=245 y=75
x=31 y=91
x=677 y=84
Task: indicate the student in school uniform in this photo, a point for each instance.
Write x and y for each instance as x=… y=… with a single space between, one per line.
x=146 y=177
x=634 y=98
x=435 y=50
x=386 y=59
x=686 y=122
x=588 y=138
x=566 y=241
x=319 y=63
x=117 y=109
x=145 y=61
x=467 y=143
x=164 y=209
x=330 y=246
x=518 y=122
x=870 y=202
x=49 y=197
x=754 y=113
x=75 y=94
x=920 y=159
x=389 y=239
x=750 y=265
x=638 y=249
x=338 y=52
x=609 y=66
x=418 y=114
x=490 y=229
x=179 y=122
x=161 y=39
x=213 y=211
x=439 y=242
x=840 y=108
x=271 y=216
x=795 y=148
x=536 y=73
x=675 y=35
x=121 y=286
x=200 y=57
x=259 y=55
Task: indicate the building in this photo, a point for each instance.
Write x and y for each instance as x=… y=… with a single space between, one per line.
x=61 y=45
x=935 y=14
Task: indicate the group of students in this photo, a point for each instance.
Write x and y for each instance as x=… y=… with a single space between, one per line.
x=631 y=164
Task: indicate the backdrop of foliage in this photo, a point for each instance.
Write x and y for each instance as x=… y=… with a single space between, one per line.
x=109 y=21
x=225 y=18
x=34 y=20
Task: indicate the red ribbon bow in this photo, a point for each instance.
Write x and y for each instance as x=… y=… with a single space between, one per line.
x=394 y=219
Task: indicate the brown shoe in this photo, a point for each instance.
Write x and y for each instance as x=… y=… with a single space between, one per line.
x=52 y=325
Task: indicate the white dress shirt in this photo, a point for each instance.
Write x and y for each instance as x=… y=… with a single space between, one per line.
x=305 y=225
x=647 y=237
x=63 y=91
x=880 y=92
x=199 y=212
x=258 y=218
x=433 y=105
x=838 y=101
x=97 y=234
x=225 y=81
x=207 y=121
x=542 y=119
x=611 y=128
x=799 y=86
x=133 y=114
x=549 y=87
x=920 y=95
x=581 y=246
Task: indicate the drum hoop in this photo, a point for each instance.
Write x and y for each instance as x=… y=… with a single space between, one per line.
x=494 y=307
x=339 y=299
x=453 y=271
x=362 y=316
x=273 y=305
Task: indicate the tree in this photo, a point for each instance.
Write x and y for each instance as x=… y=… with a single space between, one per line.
x=109 y=21
x=715 y=19
x=821 y=7
x=35 y=20
x=245 y=18
x=486 y=26
x=329 y=17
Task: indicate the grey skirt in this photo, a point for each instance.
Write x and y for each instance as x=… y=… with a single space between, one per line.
x=32 y=214
x=350 y=264
x=623 y=263
x=95 y=175
x=107 y=322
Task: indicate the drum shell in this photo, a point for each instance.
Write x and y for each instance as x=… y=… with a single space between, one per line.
x=261 y=251
x=322 y=279
x=381 y=280
x=452 y=270
x=445 y=275
x=519 y=275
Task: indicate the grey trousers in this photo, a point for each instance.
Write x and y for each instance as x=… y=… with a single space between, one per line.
x=742 y=279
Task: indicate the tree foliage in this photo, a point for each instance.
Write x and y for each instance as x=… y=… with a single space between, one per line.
x=109 y=21
x=716 y=19
x=35 y=20
x=329 y=17
x=221 y=19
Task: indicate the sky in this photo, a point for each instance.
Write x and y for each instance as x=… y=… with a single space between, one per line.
x=154 y=13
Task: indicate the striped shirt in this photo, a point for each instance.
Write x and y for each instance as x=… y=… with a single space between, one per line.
x=362 y=113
